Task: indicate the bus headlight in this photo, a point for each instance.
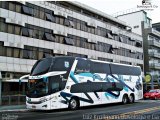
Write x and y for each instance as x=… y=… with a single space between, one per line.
x=43 y=100
x=28 y=100
x=55 y=97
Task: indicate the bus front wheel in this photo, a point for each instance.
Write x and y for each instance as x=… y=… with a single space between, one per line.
x=74 y=103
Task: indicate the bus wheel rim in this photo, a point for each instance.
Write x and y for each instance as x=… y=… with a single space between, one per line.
x=131 y=99
x=73 y=103
x=124 y=100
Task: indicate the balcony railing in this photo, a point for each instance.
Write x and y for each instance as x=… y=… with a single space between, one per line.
x=155 y=32
x=154 y=65
x=154 y=43
x=154 y=54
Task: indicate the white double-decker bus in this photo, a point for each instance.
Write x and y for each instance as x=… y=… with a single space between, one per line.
x=71 y=82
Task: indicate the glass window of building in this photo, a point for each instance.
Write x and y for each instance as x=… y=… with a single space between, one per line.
x=57 y=20
x=49 y=37
x=61 y=39
x=25 y=32
x=71 y=23
x=41 y=34
x=61 y=21
x=67 y=23
x=78 y=41
x=75 y=23
x=36 y=13
x=16 y=53
x=69 y=41
x=2 y=4
x=2 y=49
x=31 y=33
x=41 y=15
x=35 y=54
x=3 y=27
x=57 y=38
x=89 y=29
x=92 y=30
x=40 y=55
x=25 y=54
x=17 y=30
x=9 y=52
x=78 y=24
x=10 y=29
x=49 y=17
x=83 y=26
x=36 y=33
x=18 y=8
x=12 y=6
x=27 y=10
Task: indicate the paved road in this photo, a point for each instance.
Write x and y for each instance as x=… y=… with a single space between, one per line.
x=141 y=110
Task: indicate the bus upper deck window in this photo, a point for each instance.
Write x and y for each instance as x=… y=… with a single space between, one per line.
x=82 y=66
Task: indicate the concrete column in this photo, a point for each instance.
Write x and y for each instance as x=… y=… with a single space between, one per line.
x=23 y=87
x=152 y=82
x=0 y=89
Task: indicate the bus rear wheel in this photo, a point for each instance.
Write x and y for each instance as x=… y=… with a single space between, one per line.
x=73 y=103
x=124 y=99
x=131 y=99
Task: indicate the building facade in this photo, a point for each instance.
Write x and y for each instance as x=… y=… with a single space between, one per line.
x=152 y=59
x=138 y=20
x=156 y=26
x=142 y=24
x=32 y=30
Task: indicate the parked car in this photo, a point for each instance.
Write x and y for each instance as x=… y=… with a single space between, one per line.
x=152 y=94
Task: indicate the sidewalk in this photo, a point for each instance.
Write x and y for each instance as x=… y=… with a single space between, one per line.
x=13 y=108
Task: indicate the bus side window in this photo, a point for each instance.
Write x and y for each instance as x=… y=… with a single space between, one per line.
x=96 y=67
x=125 y=70
x=82 y=66
x=61 y=64
x=54 y=84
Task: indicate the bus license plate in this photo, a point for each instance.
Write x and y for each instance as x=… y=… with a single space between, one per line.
x=33 y=107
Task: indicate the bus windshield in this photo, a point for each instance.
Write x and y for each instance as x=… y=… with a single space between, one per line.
x=49 y=84
x=37 y=88
x=41 y=67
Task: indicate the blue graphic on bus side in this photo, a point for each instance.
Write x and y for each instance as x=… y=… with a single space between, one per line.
x=98 y=77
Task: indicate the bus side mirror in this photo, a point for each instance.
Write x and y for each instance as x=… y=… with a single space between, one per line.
x=24 y=77
x=49 y=74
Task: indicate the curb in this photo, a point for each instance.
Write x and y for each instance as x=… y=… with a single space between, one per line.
x=14 y=110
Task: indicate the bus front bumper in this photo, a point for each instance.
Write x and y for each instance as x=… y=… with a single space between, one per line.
x=42 y=106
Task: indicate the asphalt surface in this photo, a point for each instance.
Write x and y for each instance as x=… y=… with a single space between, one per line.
x=140 y=110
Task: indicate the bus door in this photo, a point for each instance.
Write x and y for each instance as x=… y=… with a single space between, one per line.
x=57 y=83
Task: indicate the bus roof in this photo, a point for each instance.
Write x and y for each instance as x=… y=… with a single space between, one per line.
x=91 y=60
x=107 y=62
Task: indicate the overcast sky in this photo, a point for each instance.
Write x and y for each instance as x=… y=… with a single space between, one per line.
x=113 y=6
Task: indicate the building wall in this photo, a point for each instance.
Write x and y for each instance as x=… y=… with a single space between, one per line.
x=154 y=56
x=156 y=26
x=27 y=37
x=145 y=48
x=134 y=20
x=151 y=46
